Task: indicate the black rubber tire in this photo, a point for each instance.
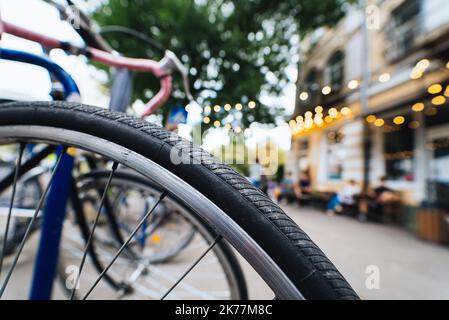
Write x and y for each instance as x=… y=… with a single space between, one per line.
x=294 y=252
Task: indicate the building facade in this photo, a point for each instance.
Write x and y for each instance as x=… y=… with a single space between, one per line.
x=372 y=101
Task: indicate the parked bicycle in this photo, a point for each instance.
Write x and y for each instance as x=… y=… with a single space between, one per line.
x=223 y=208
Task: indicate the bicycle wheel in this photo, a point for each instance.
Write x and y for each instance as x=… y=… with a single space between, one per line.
x=166 y=236
x=282 y=254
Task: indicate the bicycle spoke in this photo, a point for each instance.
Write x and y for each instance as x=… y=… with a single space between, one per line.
x=218 y=238
x=11 y=205
x=94 y=226
x=128 y=240
x=31 y=223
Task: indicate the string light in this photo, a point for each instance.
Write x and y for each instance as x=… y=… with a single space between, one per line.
x=371 y=119
x=399 y=120
x=423 y=64
x=416 y=74
x=333 y=112
x=447 y=65
x=379 y=122
x=435 y=88
x=227 y=107
x=353 y=84
x=384 y=77
x=217 y=123
x=308 y=114
x=446 y=93
x=304 y=96
x=206 y=120
x=439 y=100
x=328 y=119
x=207 y=109
x=292 y=123
x=238 y=106
x=238 y=130
x=251 y=104
x=299 y=119
x=228 y=126
x=217 y=108
x=418 y=107
x=319 y=109
x=326 y=90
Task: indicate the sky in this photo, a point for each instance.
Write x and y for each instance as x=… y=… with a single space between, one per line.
x=33 y=82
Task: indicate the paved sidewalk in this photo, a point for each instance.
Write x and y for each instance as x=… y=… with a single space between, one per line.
x=409 y=268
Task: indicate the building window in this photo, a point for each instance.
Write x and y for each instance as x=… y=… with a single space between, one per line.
x=336 y=70
x=335 y=155
x=399 y=151
x=403 y=28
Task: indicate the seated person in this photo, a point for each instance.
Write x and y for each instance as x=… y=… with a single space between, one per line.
x=303 y=187
x=286 y=189
x=376 y=200
x=346 y=196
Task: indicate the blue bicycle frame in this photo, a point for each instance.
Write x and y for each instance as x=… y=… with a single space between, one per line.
x=54 y=212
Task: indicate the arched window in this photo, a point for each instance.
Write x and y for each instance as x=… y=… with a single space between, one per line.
x=336 y=69
x=312 y=80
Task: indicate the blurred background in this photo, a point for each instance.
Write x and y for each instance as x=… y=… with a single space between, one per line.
x=337 y=109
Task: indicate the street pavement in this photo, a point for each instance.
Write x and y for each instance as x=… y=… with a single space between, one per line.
x=409 y=268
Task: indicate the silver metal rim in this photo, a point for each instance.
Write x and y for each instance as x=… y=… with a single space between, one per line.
x=262 y=263
x=230 y=277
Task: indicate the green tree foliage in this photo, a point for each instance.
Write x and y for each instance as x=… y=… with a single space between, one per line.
x=235 y=49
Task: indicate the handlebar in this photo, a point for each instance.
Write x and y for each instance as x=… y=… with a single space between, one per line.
x=161 y=69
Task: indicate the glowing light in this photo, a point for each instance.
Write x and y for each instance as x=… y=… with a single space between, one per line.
x=217 y=108
x=328 y=119
x=447 y=65
x=228 y=126
x=379 y=122
x=299 y=119
x=251 y=104
x=238 y=130
x=346 y=111
x=326 y=90
x=384 y=77
x=206 y=120
x=435 y=88
x=227 y=107
x=418 y=107
x=371 y=119
x=238 y=106
x=304 y=96
x=319 y=121
x=308 y=114
x=353 y=84
x=423 y=64
x=333 y=112
x=207 y=109
x=292 y=123
x=217 y=123
x=446 y=93
x=399 y=120
x=439 y=100
x=319 y=109
x=308 y=124
x=416 y=74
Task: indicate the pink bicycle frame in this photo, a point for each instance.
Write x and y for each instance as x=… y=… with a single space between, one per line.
x=141 y=65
